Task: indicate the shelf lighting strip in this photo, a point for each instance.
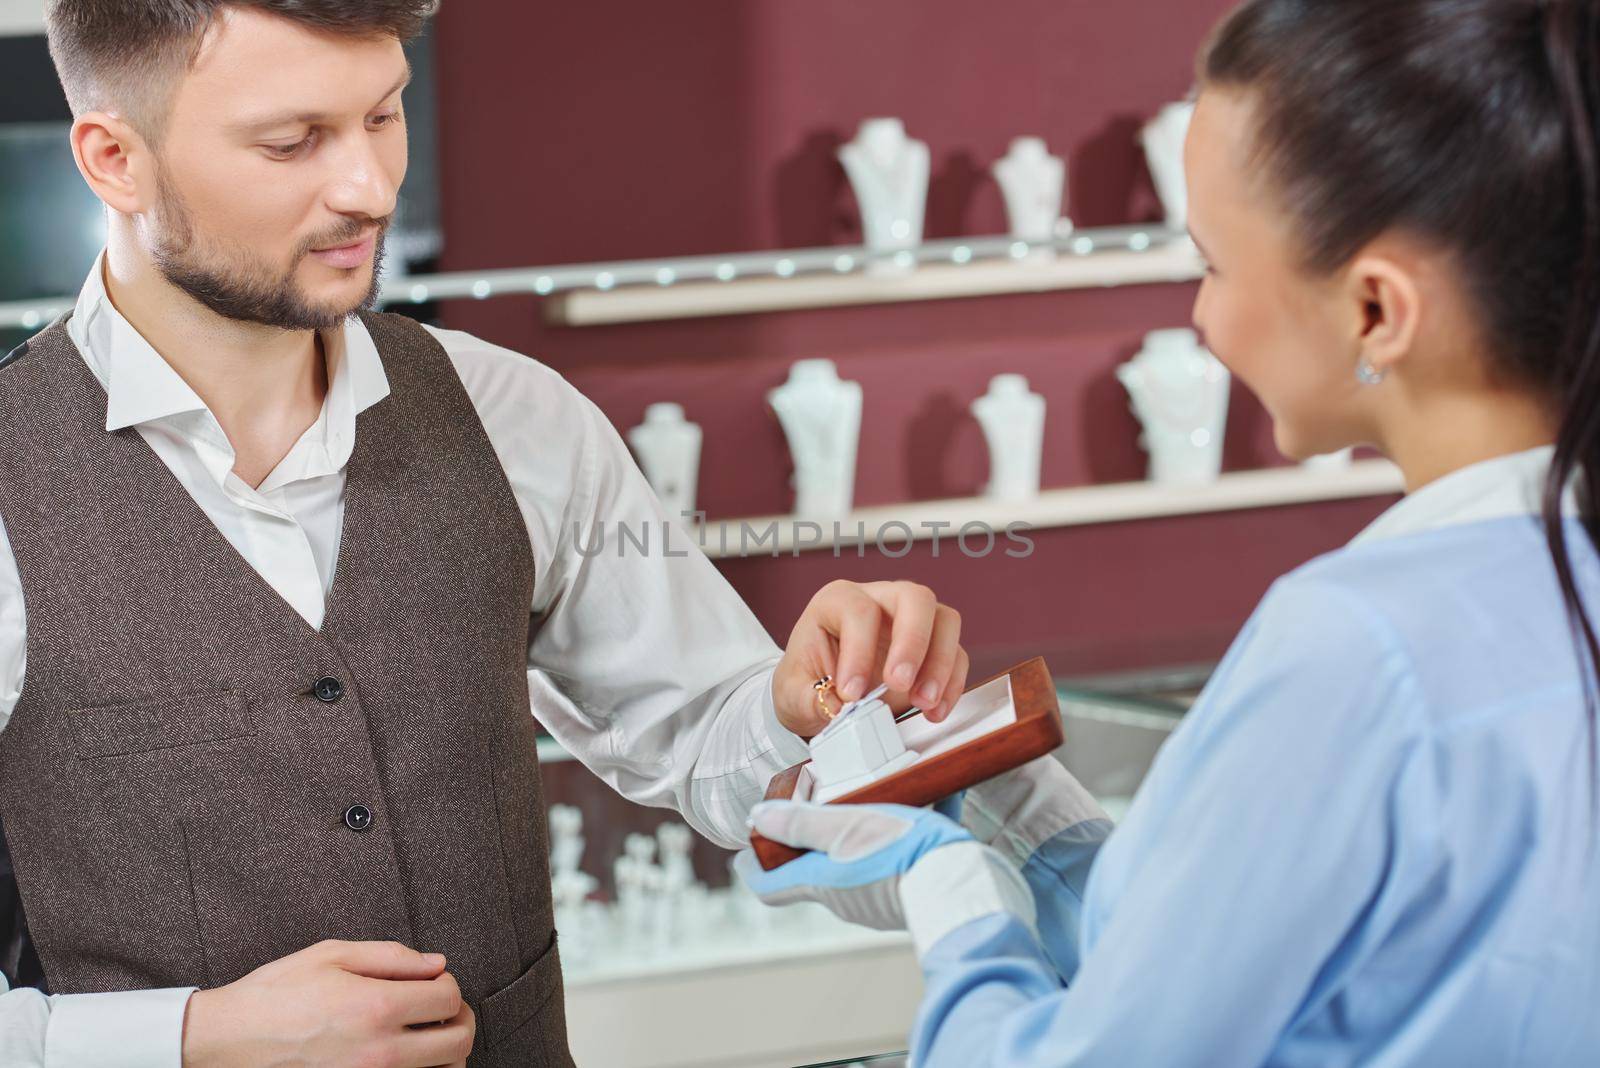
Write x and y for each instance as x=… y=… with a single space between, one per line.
x=662 y=273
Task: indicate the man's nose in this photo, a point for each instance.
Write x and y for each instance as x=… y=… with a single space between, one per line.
x=362 y=185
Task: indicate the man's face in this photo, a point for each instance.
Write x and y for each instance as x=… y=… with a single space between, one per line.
x=280 y=142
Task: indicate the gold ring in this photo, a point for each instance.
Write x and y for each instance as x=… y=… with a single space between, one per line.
x=824 y=686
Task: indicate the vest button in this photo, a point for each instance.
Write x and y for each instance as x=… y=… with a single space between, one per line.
x=358 y=817
x=328 y=689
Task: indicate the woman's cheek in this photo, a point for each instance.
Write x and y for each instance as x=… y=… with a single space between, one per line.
x=1222 y=327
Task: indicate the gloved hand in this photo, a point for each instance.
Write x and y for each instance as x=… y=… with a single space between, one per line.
x=1021 y=810
x=885 y=866
x=1045 y=823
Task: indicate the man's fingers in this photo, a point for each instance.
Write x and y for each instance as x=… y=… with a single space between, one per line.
x=916 y=654
x=954 y=688
x=914 y=611
x=925 y=641
x=383 y=960
x=810 y=655
x=939 y=662
x=427 y=1001
x=856 y=618
x=446 y=1043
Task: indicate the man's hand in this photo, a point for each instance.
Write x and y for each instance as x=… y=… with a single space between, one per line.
x=864 y=633
x=334 y=1005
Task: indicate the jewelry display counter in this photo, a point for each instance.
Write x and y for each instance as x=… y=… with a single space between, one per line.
x=739 y=985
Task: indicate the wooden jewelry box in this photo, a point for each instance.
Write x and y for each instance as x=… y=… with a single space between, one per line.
x=999 y=724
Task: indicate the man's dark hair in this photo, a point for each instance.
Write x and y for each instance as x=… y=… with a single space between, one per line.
x=128 y=56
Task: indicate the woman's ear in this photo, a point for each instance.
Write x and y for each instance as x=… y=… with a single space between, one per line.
x=114 y=160
x=1387 y=303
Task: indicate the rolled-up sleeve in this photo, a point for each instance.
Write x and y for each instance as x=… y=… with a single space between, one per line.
x=642 y=661
x=646 y=664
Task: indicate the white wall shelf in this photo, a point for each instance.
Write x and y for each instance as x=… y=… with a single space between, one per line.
x=1169 y=262
x=1076 y=506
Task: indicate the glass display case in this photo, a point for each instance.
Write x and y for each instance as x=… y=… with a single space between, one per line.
x=1116 y=723
x=708 y=976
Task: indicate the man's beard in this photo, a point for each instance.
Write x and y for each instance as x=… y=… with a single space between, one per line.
x=235 y=284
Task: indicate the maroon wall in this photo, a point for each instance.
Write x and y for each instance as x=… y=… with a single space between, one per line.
x=604 y=130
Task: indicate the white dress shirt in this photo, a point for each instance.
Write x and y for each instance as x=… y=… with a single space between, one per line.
x=645 y=665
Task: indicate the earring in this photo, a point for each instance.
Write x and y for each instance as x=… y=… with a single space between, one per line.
x=1367 y=374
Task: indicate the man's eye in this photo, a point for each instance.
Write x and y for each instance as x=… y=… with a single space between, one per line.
x=287 y=151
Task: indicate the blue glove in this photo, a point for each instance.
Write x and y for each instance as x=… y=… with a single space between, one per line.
x=885 y=866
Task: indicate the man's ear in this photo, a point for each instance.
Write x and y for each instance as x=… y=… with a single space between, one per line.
x=114 y=159
x=1387 y=304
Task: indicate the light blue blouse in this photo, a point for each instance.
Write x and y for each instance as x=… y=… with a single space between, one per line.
x=1373 y=841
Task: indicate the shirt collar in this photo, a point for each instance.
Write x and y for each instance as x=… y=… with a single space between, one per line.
x=142 y=387
x=1510 y=485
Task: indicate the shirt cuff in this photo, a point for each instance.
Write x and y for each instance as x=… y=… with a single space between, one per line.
x=787 y=746
x=955 y=884
x=129 y=1029
x=1020 y=811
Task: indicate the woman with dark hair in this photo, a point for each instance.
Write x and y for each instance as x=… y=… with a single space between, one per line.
x=1373 y=840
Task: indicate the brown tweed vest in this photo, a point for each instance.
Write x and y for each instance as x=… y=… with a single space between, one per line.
x=196 y=782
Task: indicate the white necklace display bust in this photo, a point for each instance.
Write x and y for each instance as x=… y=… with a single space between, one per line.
x=1013 y=424
x=1180 y=394
x=668 y=449
x=1163 y=138
x=1033 y=183
x=821 y=417
x=889 y=173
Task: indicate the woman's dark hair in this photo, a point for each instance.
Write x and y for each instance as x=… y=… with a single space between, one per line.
x=128 y=55
x=1470 y=124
